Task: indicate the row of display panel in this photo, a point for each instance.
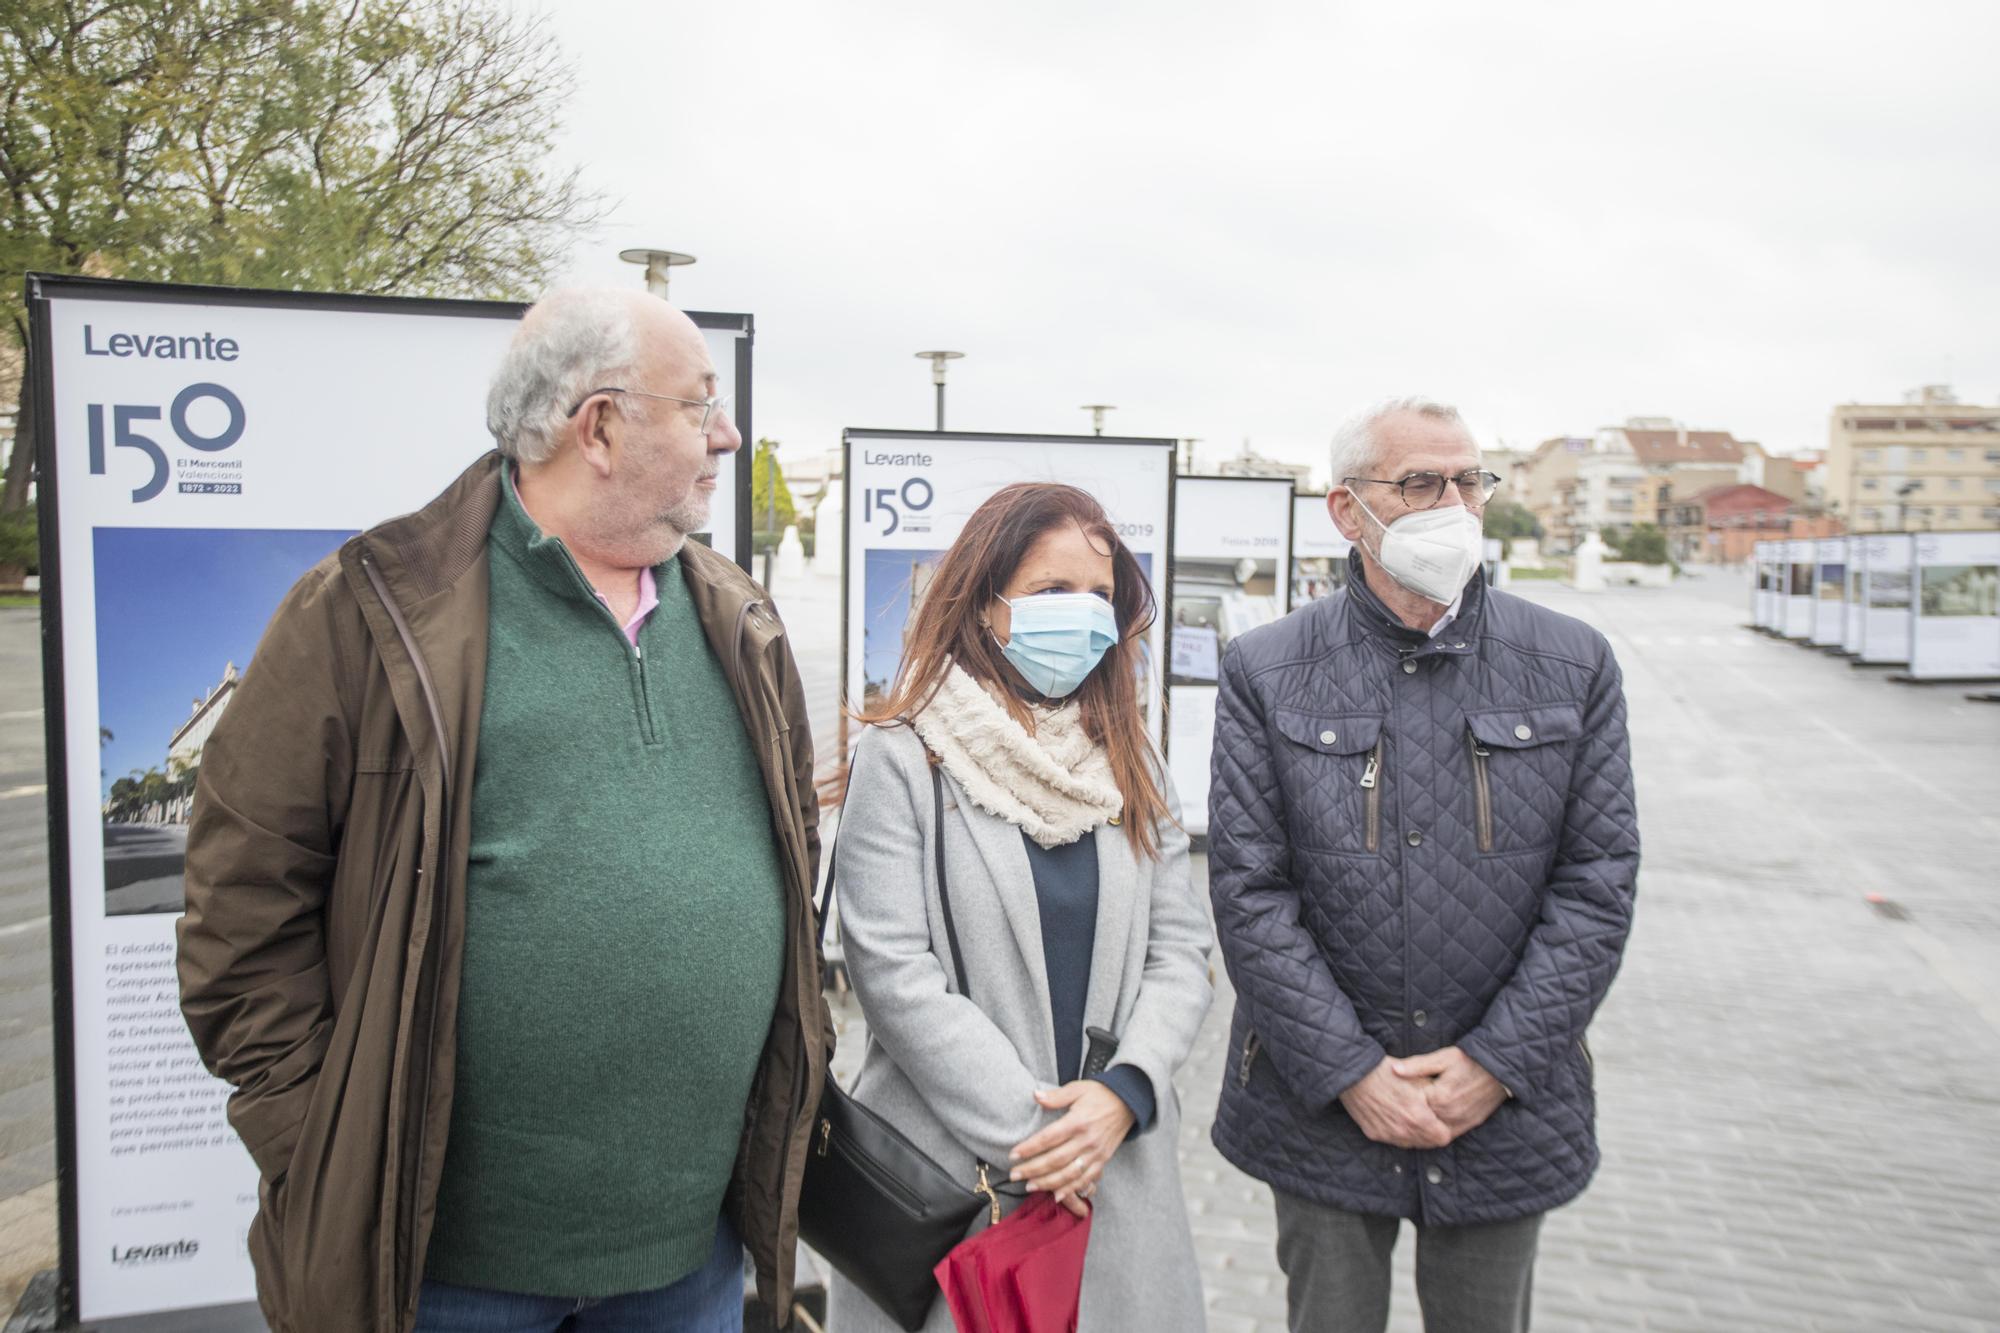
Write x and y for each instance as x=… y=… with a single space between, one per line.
x=1925 y=601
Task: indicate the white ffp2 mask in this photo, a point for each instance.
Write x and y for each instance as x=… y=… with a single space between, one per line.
x=1431 y=552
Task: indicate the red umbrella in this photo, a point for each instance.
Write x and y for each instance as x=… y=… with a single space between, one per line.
x=1023 y=1276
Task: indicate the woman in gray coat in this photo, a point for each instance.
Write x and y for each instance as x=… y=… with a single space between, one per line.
x=1070 y=894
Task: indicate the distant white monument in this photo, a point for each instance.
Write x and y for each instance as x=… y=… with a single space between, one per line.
x=829 y=531
x=1588 y=574
x=791 y=553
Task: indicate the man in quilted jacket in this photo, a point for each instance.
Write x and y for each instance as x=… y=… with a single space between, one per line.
x=1422 y=852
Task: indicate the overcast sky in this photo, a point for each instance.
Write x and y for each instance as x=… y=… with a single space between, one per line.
x=1253 y=220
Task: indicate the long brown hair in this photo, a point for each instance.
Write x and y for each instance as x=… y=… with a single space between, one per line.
x=949 y=630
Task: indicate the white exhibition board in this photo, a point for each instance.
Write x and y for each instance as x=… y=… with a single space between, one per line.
x=1855 y=616
x=1775 y=585
x=1886 y=559
x=1771 y=573
x=1796 y=586
x=1829 y=623
x=1956 y=631
x=1760 y=584
x=1756 y=583
x=1231 y=567
x=909 y=494
x=1319 y=551
x=204 y=448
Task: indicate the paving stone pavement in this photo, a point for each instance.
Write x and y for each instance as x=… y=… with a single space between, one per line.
x=27 y=1098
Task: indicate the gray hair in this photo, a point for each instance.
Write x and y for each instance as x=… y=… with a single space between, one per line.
x=1355 y=448
x=570 y=342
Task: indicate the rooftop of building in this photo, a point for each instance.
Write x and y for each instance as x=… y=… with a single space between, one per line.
x=1740 y=498
x=1927 y=407
x=1666 y=447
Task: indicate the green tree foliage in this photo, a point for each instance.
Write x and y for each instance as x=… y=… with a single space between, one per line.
x=368 y=146
x=1642 y=543
x=140 y=793
x=1508 y=519
x=20 y=543
x=763 y=472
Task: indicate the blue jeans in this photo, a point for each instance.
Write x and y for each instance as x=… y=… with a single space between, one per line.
x=708 y=1300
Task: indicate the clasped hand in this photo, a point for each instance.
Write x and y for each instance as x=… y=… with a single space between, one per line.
x=1424 y=1101
x=1067 y=1158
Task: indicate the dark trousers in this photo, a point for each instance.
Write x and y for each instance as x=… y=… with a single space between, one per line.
x=1474 y=1279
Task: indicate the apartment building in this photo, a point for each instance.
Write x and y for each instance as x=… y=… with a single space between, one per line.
x=1543 y=482
x=1250 y=463
x=1682 y=463
x=1723 y=525
x=1608 y=489
x=1511 y=465
x=1927 y=464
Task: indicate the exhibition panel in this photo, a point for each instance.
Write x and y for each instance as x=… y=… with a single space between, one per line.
x=201 y=450
x=909 y=494
x=1232 y=551
x=1955 y=605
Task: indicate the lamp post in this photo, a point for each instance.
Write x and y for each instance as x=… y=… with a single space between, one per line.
x=658 y=265
x=1097 y=411
x=1903 y=494
x=1187 y=455
x=938 y=360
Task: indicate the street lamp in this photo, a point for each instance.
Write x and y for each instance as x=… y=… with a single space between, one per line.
x=937 y=360
x=1187 y=455
x=1097 y=411
x=657 y=264
x=1903 y=494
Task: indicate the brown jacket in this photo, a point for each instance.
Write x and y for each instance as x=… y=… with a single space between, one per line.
x=325 y=924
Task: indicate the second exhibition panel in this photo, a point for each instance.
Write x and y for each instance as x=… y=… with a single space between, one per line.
x=909 y=494
x=1232 y=558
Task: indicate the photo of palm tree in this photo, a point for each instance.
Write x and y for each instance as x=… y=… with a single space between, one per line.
x=179 y=614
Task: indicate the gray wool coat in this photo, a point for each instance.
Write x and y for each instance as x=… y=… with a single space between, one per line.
x=958 y=1075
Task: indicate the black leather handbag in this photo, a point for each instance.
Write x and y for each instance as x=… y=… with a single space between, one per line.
x=874 y=1205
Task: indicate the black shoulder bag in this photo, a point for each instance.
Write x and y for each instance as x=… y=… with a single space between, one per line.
x=873 y=1204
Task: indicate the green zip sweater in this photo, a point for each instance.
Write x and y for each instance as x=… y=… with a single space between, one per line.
x=624 y=941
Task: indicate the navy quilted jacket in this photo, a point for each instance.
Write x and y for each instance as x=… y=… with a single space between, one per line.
x=1415 y=843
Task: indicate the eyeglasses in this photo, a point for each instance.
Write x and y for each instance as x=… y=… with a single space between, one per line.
x=709 y=406
x=1421 y=490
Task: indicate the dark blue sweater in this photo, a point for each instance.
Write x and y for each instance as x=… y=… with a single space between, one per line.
x=1066 y=893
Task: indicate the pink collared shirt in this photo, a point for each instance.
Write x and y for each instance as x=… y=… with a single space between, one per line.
x=649 y=601
x=649 y=592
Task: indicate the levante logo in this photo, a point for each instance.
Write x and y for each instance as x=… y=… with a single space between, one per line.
x=205 y=417
x=167 y=1252
x=898 y=508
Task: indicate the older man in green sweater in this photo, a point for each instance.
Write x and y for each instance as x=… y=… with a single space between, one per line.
x=564 y=1087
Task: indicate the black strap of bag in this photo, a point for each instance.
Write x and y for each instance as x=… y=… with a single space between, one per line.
x=823 y=908
x=873 y=1204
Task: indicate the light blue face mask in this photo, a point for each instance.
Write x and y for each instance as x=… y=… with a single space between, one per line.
x=1058 y=638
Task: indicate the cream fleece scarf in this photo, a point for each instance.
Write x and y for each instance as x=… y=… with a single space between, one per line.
x=1055 y=785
